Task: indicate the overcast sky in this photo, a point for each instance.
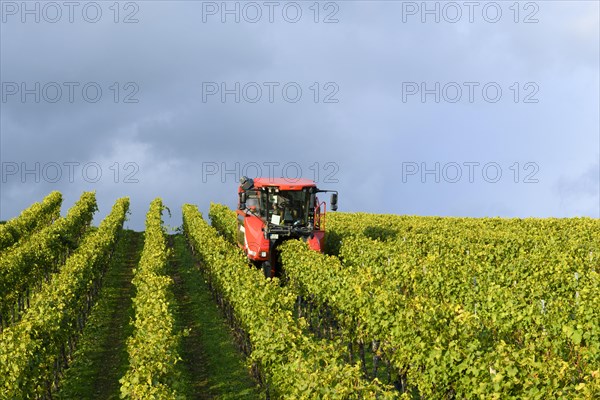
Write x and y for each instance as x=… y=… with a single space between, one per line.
x=444 y=108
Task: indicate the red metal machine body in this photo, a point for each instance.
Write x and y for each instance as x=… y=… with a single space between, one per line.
x=272 y=210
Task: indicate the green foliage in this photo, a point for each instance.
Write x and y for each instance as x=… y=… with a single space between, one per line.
x=458 y=307
x=224 y=220
x=37 y=216
x=465 y=307
x=100 y=359
x=293 y=365
x=36 y=256
x=34 y=350
x=153 y=347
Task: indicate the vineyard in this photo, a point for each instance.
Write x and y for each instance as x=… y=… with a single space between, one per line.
x=397 y=307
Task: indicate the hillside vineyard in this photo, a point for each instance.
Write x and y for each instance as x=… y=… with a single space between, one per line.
x=396 y=307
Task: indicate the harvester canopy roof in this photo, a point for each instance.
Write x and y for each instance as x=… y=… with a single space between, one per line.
x=284 y=183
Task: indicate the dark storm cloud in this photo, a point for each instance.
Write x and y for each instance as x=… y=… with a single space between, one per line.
x=169 y=142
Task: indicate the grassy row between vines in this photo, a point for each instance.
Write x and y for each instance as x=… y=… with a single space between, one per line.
x=101 y=358
x=212 y=365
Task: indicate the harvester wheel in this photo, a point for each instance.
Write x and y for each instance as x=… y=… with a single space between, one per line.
x=267 y=269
